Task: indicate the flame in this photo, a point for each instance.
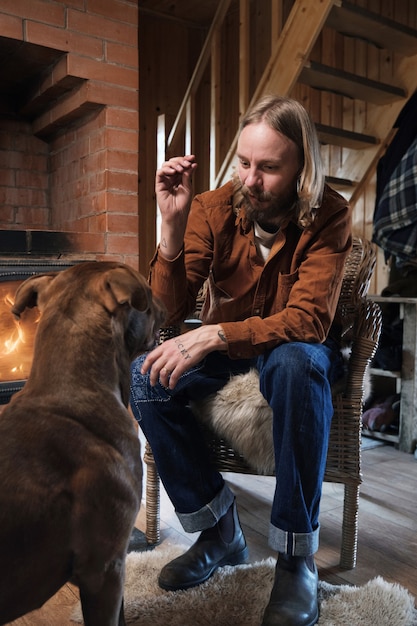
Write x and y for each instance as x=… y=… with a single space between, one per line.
x=13 y=345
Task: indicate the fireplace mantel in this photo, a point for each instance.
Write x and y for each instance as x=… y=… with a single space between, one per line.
x=49 y=243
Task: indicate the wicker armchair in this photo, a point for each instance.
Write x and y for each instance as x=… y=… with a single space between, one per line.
x=362 y=325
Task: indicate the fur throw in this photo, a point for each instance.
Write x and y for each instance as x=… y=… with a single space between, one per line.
x=240 y=415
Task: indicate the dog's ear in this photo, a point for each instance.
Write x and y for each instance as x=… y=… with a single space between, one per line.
x=127 y=288
x=27 y=293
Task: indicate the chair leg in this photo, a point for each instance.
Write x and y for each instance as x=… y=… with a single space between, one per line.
x=152 y=533
x=350 y=513
x=350 y=527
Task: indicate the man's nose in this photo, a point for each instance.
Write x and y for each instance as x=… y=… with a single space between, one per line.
x=253 y=178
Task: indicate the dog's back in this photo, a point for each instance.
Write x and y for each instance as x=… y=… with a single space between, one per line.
x=67 y=497
x=70 y=464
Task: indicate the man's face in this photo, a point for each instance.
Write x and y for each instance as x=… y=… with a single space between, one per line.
x=268 y=168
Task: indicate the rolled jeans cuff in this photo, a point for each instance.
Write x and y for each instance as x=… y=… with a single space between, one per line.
x=209 y=514
x=294 y=544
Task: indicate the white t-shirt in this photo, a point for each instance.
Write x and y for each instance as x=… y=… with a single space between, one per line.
x=263 y=241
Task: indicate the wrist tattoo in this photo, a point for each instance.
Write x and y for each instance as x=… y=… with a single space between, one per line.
x=222 y=336
x=164 y=243
x=184 y=352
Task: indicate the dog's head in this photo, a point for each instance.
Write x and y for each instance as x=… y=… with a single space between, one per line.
x=115 y=288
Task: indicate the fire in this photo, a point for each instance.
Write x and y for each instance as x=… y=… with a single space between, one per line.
x=16 y=341
x=12 y=343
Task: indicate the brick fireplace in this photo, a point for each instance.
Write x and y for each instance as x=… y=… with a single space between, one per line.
x=69 y=129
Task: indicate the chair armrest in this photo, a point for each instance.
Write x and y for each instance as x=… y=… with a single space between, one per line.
x=365 y=336
x=168 y=333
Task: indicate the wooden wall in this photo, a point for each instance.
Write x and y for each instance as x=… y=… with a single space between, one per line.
x=366 y=60
x=168 y=50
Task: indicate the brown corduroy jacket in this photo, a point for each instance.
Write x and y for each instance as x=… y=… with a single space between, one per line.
x=291 y=297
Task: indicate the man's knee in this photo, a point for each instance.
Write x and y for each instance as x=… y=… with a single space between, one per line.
x=289 y=359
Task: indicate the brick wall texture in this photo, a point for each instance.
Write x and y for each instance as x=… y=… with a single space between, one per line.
x=69 y=153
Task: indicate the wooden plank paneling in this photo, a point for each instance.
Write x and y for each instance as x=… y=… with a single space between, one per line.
x=298 y=36
x=159 y=92
x=248 y=40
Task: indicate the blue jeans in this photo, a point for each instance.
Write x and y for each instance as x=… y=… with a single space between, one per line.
x=295 y=379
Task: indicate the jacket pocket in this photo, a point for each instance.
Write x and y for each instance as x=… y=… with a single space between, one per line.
x=221 y=306
x=285 y=284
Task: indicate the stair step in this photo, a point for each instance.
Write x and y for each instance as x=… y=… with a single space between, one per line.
x=344 y=83
x=340 y=184
x=356 y=21
x=344 y=138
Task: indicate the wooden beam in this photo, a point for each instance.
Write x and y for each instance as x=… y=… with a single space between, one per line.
x=288 y=57
x=344 y=138
x=303 y=26
x=161 y=157
x=337 y=81
x=276 y=20
x=199 y=69
x=188 y=138
x=380 y=121
x=377 y=154
x=243 y=56
x=215 y=104
x=356 y=21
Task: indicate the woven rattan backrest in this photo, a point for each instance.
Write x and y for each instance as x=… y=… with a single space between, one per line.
x=359 y=267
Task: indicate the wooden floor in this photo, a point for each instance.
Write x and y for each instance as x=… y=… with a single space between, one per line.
x=387 y=543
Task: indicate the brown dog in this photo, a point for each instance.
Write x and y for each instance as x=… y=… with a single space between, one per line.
x=70 y=467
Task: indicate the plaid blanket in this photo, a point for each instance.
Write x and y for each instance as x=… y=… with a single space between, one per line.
x=395 y=217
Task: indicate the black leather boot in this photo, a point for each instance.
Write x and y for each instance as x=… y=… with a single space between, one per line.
x=209 y=552
x=293 y=600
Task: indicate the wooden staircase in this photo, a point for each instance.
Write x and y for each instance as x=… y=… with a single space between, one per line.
x=296 y=67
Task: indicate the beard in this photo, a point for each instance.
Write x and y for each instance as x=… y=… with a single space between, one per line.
x=267 y=209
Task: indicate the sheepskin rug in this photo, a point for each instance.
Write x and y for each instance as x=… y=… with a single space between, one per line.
x=236 y=596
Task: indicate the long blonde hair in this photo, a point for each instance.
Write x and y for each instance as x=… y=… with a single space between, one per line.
x=289 y=117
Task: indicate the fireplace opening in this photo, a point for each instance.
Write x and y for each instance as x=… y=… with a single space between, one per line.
x=17 y=336
x=22 y=65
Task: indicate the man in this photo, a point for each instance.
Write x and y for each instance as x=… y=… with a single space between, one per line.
x=271 y=246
